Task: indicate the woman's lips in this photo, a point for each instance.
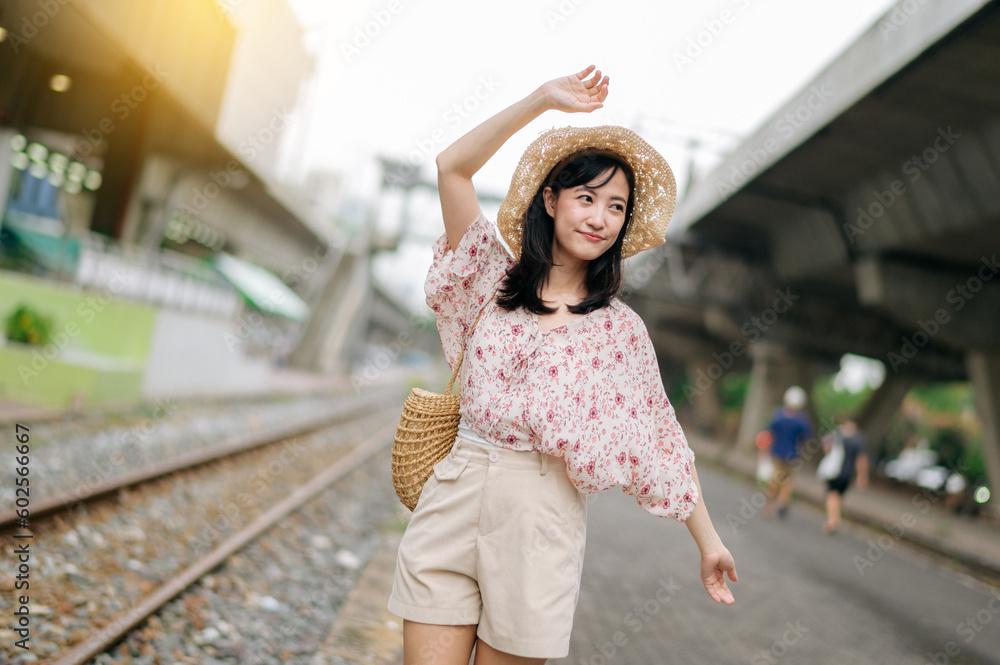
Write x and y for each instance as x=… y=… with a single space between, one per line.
x=591 y=237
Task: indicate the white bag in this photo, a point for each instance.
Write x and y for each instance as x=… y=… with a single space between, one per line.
x=832 y=463
x=765 y=469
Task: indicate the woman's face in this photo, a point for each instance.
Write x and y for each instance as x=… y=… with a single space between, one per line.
x=587 y=218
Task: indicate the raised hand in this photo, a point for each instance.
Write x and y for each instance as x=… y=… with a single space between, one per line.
x=577 y=93
x=714 y=568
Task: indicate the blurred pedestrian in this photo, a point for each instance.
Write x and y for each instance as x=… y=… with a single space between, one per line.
x=789 y=426
x=561 y=392
x=853 y=465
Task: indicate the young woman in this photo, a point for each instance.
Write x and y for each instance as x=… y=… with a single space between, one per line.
x=853 y=466
x=561 y=392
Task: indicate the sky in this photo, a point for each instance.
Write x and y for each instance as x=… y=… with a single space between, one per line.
x=391 y=72
x=405 y=78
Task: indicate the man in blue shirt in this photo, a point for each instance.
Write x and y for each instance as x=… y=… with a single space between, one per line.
x=789 y=426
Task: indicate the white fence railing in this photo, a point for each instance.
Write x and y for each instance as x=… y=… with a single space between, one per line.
x=162 y=278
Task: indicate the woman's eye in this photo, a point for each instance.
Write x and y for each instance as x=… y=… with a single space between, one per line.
x=585 y=197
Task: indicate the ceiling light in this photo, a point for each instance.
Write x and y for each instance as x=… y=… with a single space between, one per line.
x=60 y=83
x=76 y=172
x=38 y=170
x=93 y=180
x=58 y=162
x=38 y=152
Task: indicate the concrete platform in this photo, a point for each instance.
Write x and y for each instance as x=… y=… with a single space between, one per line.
x=967 y=543
x=918 y=516
x=365 y=632
x=284 y=382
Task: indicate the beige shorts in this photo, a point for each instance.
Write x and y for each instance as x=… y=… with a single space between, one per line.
x=783 y=472
x=497 y=539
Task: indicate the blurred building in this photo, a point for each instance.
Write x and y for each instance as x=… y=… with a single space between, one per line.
x=141 y=146
x=270 y=70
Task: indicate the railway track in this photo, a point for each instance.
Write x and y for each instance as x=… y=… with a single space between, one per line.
x=64 y=502
x=364 y=419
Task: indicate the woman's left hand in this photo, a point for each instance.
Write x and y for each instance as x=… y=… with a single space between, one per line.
x=577 y=93
x=715 y=565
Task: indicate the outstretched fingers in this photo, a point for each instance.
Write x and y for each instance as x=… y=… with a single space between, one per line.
x=714 y=569
x=597 y=90
x=718 y=590
x=602 y=90
x=584 y=91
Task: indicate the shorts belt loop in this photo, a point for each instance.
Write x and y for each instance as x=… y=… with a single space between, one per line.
x=545 y=463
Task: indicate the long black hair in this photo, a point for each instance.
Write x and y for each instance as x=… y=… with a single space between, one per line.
x=604 y=274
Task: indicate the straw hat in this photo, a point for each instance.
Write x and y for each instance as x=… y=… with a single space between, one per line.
x=655 y=189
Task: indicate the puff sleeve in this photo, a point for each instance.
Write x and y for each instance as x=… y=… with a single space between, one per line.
x=461 y=280
x=629 y=435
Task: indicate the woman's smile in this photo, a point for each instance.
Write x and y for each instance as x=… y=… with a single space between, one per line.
x=594 y=211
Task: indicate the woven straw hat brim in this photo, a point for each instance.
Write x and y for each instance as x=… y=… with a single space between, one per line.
x=655 y=187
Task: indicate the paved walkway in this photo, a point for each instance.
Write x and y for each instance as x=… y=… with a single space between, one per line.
x=916 y=515
x=802 y=597
x=639 y=571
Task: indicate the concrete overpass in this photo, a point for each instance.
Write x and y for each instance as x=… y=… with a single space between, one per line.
x=861 y=218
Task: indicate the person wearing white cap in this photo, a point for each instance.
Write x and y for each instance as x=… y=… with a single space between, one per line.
x=789 y=426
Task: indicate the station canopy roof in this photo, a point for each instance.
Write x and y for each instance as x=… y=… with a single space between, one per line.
x=261 y=288
x=55 y=253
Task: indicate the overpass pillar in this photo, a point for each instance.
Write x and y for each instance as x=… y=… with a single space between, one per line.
x=339 y=318
x=773 y=371
x=984 y=370
x=706 y=407
x=877 y=413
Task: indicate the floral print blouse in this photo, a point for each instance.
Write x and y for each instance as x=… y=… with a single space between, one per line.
x=588 y=391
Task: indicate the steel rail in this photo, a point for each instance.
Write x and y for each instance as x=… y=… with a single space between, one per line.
x=116 y=629
x=238 y=444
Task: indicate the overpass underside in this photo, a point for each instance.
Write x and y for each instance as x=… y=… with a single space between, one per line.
x=863 y=218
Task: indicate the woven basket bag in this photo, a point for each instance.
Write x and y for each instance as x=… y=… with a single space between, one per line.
x=425 y=434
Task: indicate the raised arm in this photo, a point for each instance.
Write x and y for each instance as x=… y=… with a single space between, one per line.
x=716 y=561
x=456 y=165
